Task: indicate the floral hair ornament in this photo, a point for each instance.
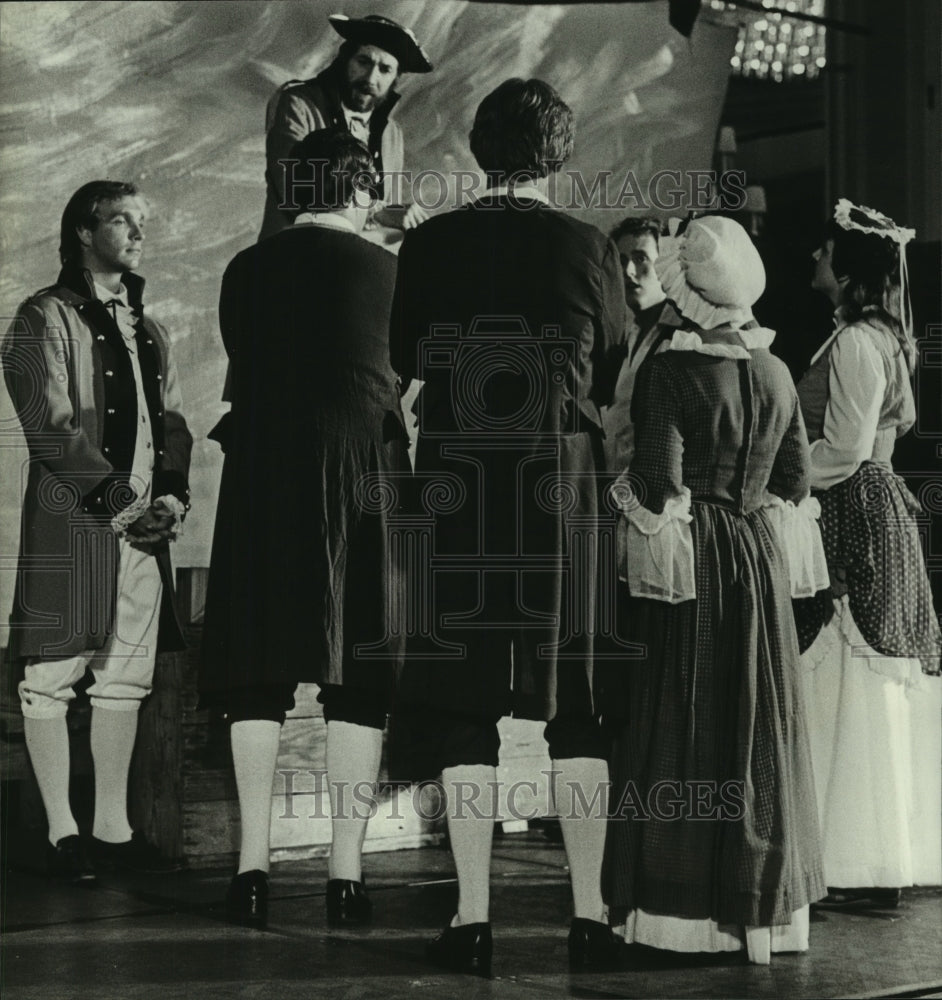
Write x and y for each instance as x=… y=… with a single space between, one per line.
x=868 y=220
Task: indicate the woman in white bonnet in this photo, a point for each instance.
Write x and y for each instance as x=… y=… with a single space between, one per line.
x=873 y=714
x=713 y=843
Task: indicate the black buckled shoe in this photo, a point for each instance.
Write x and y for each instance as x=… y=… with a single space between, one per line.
x=68 y=862
x=468 y=948
x=593 y=946
x=347 y=903
x=247 y=899
x=134 y=855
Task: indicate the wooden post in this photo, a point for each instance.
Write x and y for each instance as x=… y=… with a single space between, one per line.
x=156 y=785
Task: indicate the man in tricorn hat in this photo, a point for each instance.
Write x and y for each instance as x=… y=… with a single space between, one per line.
x=355 y=91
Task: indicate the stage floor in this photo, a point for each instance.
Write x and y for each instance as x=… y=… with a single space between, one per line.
x=137 y=937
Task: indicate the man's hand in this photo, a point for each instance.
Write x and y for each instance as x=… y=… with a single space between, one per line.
x=152 y=528
x=401 y=217
x=415 y=214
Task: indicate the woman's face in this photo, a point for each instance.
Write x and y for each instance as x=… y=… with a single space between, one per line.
x=824 y=279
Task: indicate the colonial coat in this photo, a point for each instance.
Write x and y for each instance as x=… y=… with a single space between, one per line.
x=301 y=575
x=71 y=381
x=513 y=315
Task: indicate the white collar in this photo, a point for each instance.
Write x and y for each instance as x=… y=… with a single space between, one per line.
x=349 y=113
x=106 y=295
x=521 y=191
x=329 y=220
x=756 y=338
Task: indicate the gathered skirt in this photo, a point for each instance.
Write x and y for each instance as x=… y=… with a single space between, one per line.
x=875 y=724
x=713 y=809
x=874 y=717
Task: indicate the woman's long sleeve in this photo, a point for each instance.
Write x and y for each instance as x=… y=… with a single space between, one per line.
x=657 y=468
x=791 y=469
x=856 y=387
x=657 y=545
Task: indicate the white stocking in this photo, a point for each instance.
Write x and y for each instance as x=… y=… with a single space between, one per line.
x=254 y=754
x=112 y=740
x=470 y=791
x=353 y=755
x=581 y=793
x=47 y=741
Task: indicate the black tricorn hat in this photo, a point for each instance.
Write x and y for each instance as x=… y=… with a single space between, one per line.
x=386 y=34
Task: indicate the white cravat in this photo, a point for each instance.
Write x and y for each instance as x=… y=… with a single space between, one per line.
x=358 y=124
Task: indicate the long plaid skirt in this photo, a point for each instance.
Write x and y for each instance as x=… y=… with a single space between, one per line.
x=713 y=812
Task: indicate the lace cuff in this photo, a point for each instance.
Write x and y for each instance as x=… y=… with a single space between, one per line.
x=178 y=509
x=125 y=518
x=799 y=538
x=658 y=552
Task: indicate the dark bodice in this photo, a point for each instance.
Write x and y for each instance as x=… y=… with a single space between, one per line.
x=727 y=429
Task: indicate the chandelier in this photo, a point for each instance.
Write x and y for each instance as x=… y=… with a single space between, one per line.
x=772 y=45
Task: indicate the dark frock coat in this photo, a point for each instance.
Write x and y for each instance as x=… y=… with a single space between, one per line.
x=513 y=315
x=300 y=572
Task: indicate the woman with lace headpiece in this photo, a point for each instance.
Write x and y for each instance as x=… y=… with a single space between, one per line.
x=713 y=837
x=874 y=717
